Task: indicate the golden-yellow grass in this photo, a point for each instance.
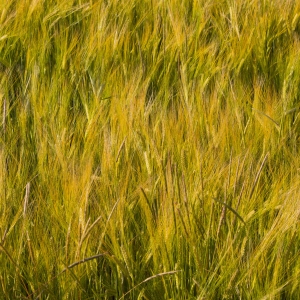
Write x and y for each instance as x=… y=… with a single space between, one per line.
x=149 y=149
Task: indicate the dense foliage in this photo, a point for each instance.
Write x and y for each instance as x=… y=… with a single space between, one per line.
x=149 y=149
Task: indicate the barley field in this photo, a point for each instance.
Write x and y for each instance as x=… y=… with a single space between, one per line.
x=150 y=149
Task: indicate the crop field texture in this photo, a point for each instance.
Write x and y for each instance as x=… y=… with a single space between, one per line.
x=150 y=149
